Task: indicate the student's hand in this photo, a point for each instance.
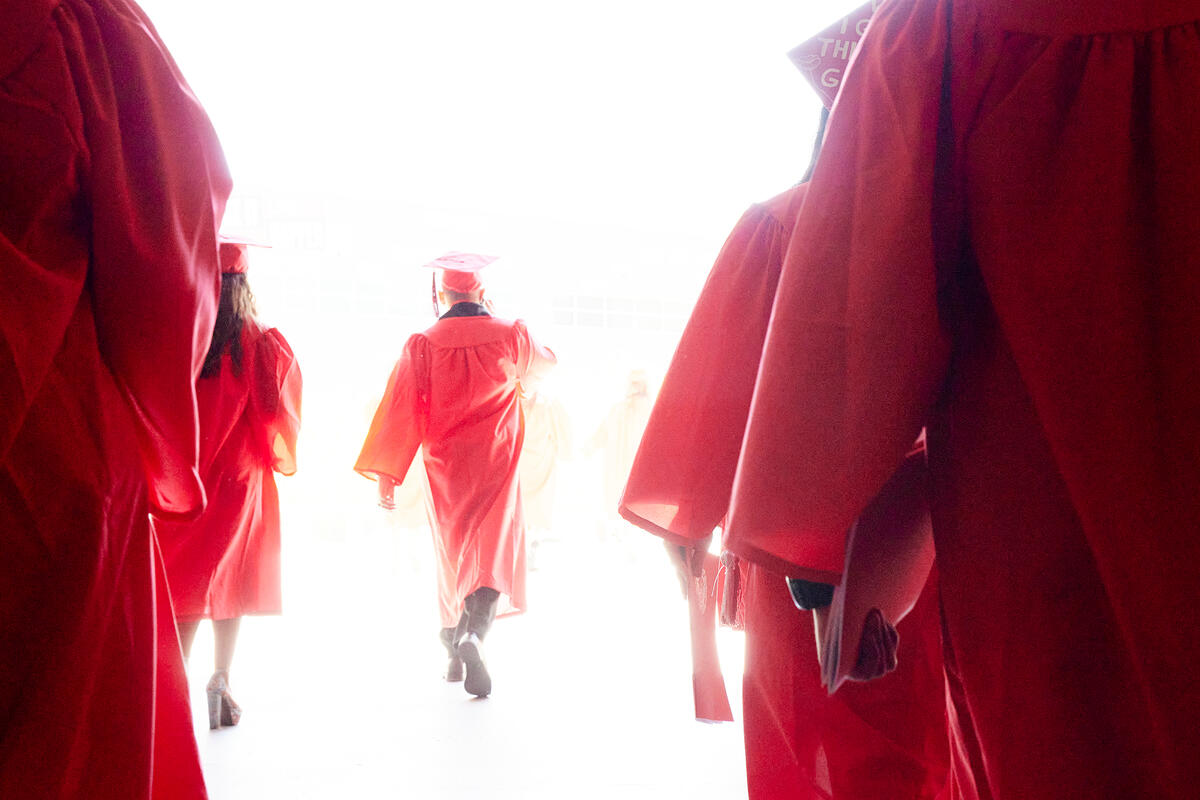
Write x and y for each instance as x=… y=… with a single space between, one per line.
x=387 y=488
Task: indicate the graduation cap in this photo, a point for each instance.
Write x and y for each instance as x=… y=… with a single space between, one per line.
x=232 y=251
x=460 y=273
x=823 y=58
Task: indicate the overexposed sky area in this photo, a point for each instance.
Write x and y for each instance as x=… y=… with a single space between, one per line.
x=649 y=114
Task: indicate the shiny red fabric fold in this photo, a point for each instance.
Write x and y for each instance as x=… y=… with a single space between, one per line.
x=889 y=555
x=144 y=180
x=454 y=394
x=680 y=482
x=226 y=562
x=1000 y=243
x=112 y=183
x=884 y=739
x=401 y=420
x=278 y=399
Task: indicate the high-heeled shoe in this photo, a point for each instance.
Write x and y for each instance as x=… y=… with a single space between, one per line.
x=222 y=710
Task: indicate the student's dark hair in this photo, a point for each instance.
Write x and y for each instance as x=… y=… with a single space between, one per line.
x=812 y=164
x=237 y=306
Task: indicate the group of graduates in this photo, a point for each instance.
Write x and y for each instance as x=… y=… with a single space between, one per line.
x=997 y=256
x=143 y=410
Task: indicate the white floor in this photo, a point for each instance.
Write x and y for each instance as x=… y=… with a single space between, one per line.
x=343 y=696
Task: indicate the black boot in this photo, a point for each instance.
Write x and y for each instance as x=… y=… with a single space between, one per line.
x=450 y=638
x=480 y=612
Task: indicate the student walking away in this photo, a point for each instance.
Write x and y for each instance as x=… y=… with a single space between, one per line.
x=225 y=564
x=455 y=393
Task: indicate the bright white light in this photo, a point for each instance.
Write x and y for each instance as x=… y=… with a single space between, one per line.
x=603 y=149
x=660 y=115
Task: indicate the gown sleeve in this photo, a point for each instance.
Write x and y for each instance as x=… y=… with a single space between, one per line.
x=681 y=479
x=855 y=353
x=400 y=421
x=153 y=183
x=533 y=360
x=277 y=397
x=156 y=203
x=41 y=167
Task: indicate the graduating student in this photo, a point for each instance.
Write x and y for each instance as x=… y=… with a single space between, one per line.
x=455 y=393
x=112 y=185
x=1001 y=243
x=618 y=435
x=884 y=739
x=225 y=564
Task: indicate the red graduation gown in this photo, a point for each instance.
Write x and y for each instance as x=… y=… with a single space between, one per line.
x=1001 y=241
x=883 y=739
x=225 y=564
x=112 y=184
x=455 y=393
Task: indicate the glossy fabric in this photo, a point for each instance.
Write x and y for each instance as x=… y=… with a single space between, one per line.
x=679 y=484
x=112 y=184
x=455 y=394
x=885 y=739
x=225 y=564
x=880 y=740
x=1001 y=242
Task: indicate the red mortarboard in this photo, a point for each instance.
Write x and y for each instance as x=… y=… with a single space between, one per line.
x=232 y=250
x=824 y=57
x=460 y=271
